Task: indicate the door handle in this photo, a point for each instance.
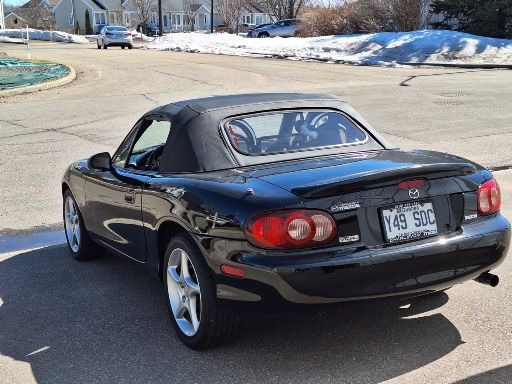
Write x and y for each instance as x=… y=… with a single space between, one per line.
x=129 y=197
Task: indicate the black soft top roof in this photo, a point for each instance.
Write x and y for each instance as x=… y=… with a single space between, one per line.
x=196 y=144
x=207 y=104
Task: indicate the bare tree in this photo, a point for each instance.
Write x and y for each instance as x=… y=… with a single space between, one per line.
x=191 y=8
x=408 y=14
x=143 y=10
x=284 y=9
x=36 y=14
x=230 y=12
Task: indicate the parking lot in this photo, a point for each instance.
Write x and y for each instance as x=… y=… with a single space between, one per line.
x=105 y=321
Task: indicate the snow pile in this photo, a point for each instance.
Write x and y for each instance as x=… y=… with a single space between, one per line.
x=140 y=36
x=36 y=34
x=386 y=48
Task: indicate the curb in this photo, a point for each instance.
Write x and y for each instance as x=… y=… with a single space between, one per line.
x=461 y=65
x=43 y=86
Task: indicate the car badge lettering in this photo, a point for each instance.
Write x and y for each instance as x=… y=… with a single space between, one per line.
x=345 y=206
x=414 y=193
x=348 y=239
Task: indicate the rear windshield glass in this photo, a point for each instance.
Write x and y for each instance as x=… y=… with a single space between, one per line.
x=292 y=131
x=117 y=29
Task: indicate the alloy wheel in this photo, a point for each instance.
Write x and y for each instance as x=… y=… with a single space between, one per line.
x=184 y=292
x=72 y=224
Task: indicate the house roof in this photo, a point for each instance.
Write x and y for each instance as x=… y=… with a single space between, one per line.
x=254 y=8
x=110 y=4
x=11 y=15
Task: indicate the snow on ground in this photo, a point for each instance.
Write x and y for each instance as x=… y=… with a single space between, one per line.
x=36 y=34
x=386 y=49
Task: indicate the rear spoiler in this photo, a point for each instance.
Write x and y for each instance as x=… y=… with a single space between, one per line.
x=384 y=177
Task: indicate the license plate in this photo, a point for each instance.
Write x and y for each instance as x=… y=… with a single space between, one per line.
x=409 y=221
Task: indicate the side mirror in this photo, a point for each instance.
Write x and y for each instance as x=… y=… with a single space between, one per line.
x=100 y=162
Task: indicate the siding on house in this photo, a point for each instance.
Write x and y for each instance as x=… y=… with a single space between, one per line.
x=62 y=12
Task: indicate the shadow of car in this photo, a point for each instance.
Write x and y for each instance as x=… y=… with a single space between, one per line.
x=105 y=321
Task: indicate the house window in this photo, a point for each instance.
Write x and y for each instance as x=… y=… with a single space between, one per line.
x=127 y=17
x=247 y=19
x=205 y=18
x=259 y=20
x=166 y=21
x=175 y=20
x=70 y=19
x=99 y=18
x=154 y=18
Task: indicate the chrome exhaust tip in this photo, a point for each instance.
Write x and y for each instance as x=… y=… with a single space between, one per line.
x=488 y=278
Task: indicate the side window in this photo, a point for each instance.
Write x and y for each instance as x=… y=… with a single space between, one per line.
x=122 y=153
x=146 y=151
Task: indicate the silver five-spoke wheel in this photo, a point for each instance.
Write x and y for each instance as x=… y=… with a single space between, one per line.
x=184 y=292
x=72 y=224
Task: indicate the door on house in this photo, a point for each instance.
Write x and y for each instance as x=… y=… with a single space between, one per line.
x=166 y=21
x=176 y=21
x=112 y=18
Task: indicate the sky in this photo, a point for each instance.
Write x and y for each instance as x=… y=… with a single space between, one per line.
x=15 y=2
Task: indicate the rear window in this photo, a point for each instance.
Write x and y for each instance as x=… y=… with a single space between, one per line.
x=292 y=131
x=117 y=29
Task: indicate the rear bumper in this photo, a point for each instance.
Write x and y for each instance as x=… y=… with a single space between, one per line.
x=335 y=275
x=118 y=42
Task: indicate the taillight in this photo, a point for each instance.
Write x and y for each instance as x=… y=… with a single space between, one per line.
x=129 y=35
x=489 y=198
x=290 y=229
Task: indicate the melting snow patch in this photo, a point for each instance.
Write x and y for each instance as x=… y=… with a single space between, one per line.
x=383 y=49
x=36 y=34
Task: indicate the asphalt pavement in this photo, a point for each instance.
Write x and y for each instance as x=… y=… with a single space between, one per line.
x=105 y=321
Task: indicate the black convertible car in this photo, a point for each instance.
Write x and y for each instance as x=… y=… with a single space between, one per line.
x=275 y=200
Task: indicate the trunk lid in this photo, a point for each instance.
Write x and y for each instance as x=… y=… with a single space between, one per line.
x=324 y=177
x=361 y=191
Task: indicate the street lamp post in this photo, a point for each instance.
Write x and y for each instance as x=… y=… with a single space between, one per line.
x=160 y=24
x=211 y=16
x=2 y=19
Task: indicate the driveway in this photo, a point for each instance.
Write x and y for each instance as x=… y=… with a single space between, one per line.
x=466 y=112
x=105 y=321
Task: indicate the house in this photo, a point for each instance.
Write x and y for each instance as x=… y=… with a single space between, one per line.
x=254 y=14
x=177 y=15
x=70 y=13
x=13 y=21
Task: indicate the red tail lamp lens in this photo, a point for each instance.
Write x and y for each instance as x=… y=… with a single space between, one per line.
x=489 y=198
x=290 y=229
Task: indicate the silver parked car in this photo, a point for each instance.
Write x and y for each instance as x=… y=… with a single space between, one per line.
x=281 y=28
x=111 y=36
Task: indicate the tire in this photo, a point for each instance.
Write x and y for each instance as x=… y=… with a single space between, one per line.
x=130 y=46
x=213 y=325
x=105 y=46
x=263 y=35
x=123 y=46
x=80 y=245
x=98 y=44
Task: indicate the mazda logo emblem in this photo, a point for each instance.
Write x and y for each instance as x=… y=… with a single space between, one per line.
x=414 y=193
